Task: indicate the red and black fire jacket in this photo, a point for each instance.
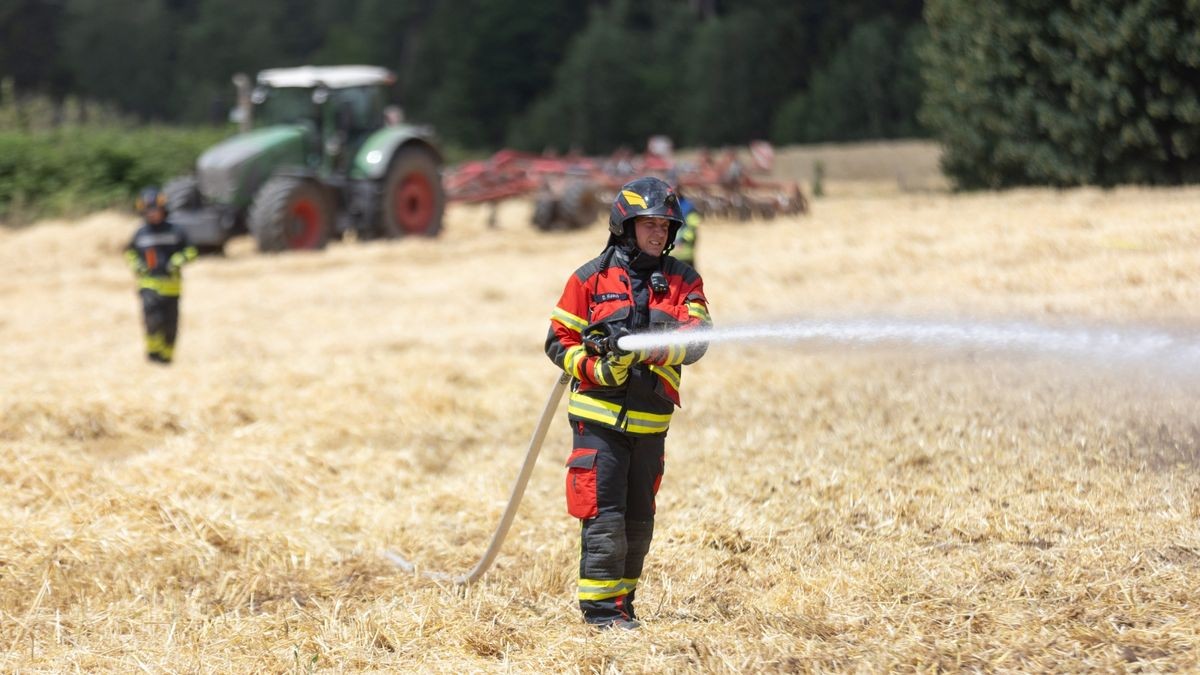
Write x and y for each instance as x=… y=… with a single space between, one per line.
x=614 y=288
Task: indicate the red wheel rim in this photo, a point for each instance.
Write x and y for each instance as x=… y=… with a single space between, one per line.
x=412 y=203
x=306 y=224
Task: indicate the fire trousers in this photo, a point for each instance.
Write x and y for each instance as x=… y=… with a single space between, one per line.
x=612 y=478
x=161 y=314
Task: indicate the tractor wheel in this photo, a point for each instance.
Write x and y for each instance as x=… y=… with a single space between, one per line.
x=578 y=206
x=413 y=198
x=290 y=213
x=545 y=213
x=183 y=192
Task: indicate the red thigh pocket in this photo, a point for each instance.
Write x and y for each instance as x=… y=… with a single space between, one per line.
x=581 y=484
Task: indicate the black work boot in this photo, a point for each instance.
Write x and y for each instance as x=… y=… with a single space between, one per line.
x=620 y=624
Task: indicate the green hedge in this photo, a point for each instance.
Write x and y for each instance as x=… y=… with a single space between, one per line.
x=72 y=171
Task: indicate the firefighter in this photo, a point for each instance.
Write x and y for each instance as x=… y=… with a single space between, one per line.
x=156 y=254
x=621 y=401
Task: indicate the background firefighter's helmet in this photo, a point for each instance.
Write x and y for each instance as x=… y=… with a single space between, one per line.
x=150 y=198
x=647 y=196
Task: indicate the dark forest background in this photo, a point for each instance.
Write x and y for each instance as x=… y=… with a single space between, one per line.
x=594 y=74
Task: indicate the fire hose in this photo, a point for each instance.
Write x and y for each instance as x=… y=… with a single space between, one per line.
x=514 y=499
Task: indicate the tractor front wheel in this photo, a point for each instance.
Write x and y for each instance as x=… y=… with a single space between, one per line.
x=413 y=198
x=290 y=213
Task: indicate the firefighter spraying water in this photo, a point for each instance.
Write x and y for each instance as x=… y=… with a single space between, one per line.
x=621 y=405
x=621 y=401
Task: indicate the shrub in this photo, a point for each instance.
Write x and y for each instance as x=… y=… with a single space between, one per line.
x=71 y=171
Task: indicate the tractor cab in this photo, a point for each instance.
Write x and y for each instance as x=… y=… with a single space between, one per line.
x=340 y=106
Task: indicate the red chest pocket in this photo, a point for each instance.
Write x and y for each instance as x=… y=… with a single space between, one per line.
x=610 y=297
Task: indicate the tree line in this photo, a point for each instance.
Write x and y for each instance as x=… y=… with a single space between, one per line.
x=589 y=74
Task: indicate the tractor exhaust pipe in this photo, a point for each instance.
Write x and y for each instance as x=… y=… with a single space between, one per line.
x=514 y=499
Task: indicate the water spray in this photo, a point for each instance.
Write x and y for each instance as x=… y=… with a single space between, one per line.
x=1175 y=353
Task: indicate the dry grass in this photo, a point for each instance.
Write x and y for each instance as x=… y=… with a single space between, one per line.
x=823 y=510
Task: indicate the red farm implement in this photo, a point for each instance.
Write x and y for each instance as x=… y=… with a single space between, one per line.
x=570 y=191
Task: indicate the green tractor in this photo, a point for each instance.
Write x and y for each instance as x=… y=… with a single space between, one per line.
x=320 y=159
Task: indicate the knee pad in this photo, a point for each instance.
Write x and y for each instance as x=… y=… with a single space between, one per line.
x=604 y=547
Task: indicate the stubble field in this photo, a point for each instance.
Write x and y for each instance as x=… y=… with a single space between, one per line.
x=823 y=508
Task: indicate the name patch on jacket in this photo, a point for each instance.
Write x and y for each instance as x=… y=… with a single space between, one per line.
x=608 y=297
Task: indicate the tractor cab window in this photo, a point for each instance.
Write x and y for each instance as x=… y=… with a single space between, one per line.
x=357 y=109
x=288 y=105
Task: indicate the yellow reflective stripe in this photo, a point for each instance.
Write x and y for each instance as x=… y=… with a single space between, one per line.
x=635 y=427
x=596 y=410
x=568 y=319
x=161 y=286
x=646 y=423
x=605 y=375
x=667 y=373
x=582 y=405
x=614 y=408
x=698 y=311
x=573 y=361
x=675 y=356
x=603 y=589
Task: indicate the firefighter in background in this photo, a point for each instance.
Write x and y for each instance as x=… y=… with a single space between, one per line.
x=621 y=402
x=685 y=239
x=157 y=254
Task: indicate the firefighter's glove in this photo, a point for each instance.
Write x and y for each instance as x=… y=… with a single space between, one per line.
x=612 y=369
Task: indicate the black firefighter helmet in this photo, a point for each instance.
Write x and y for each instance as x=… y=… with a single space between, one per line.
x=150 y=198
x=646 y=196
